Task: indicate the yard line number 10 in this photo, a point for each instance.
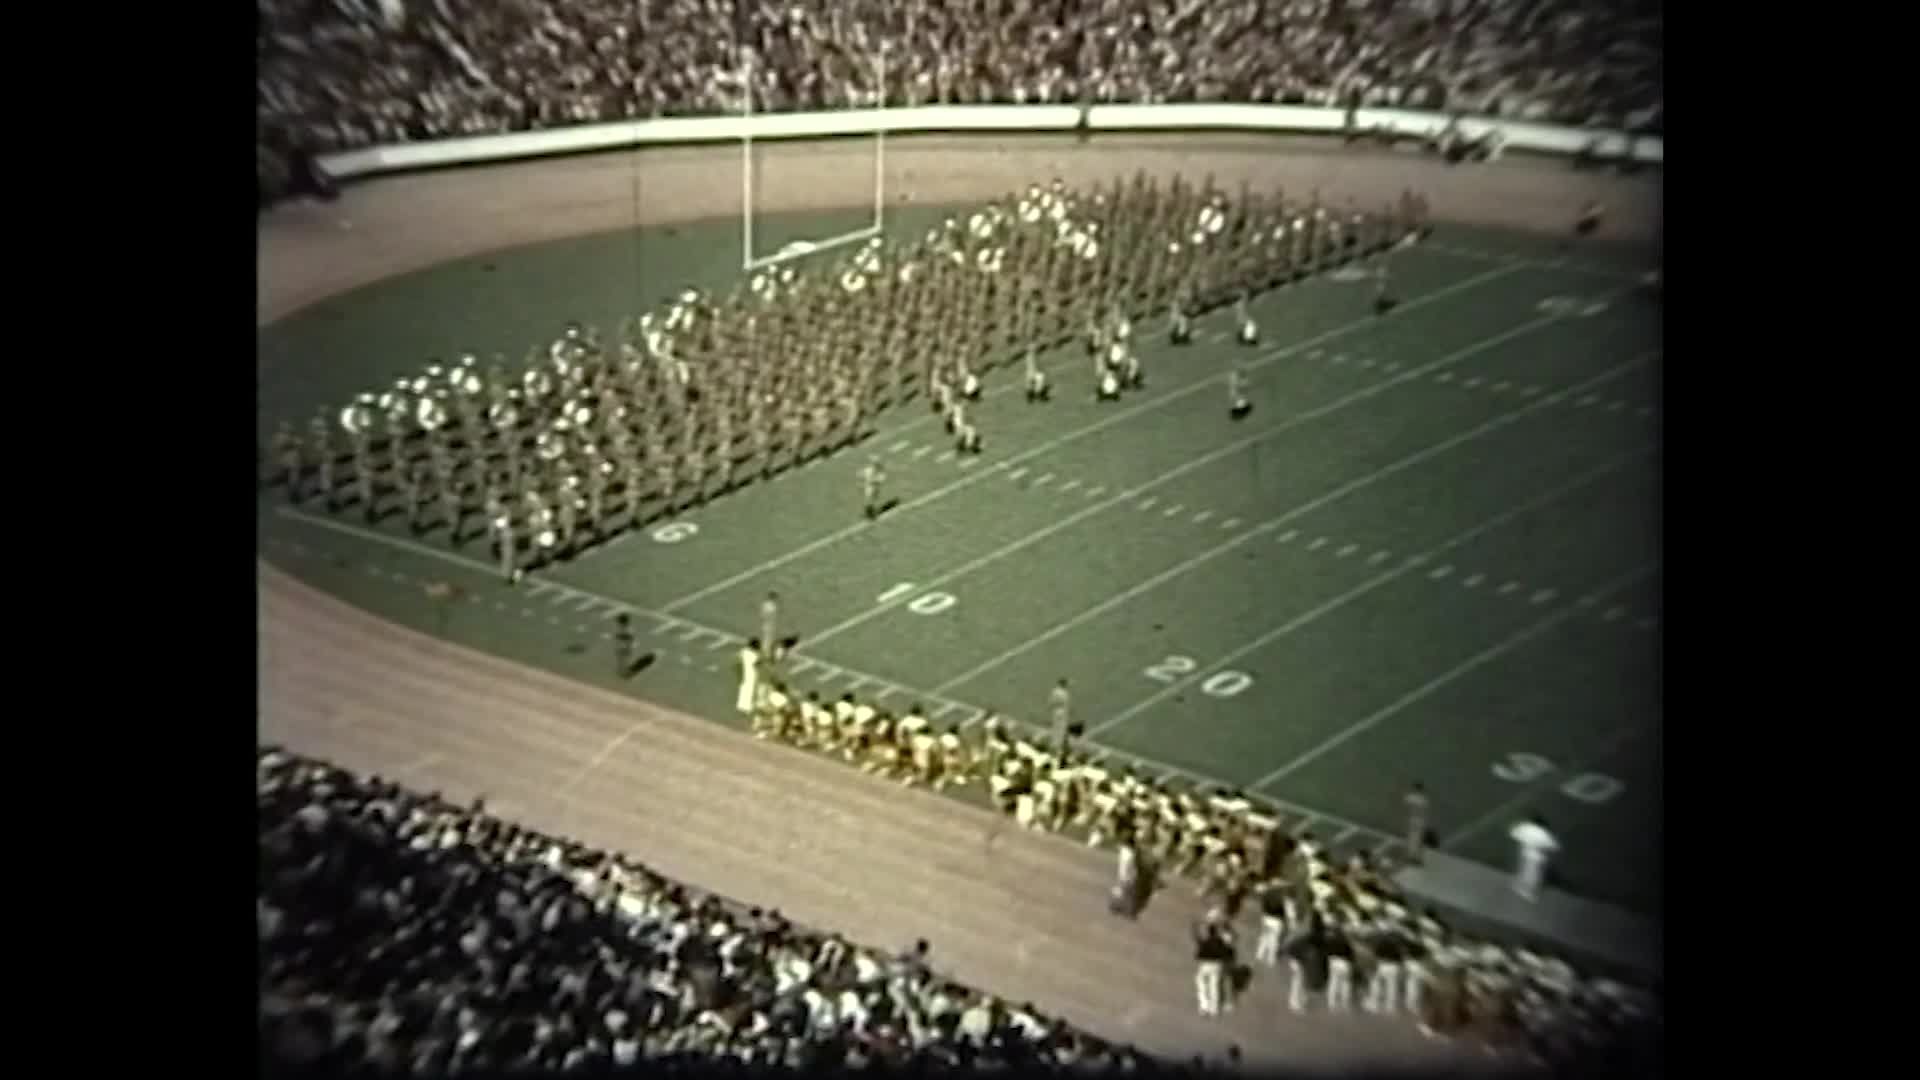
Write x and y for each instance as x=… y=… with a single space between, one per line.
x=1525 y=768
x=1220 y=684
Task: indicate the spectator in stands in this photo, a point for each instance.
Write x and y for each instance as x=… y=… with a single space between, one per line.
x=400 y=932
x=355 y=73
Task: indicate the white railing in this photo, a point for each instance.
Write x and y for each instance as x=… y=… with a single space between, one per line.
x=1278 y=119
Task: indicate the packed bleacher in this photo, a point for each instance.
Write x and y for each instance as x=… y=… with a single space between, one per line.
x=404 y=933
x=342 y=74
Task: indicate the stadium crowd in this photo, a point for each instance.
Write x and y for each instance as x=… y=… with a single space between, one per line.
x=402 y=934
x=1334 y=924
x=341 y=74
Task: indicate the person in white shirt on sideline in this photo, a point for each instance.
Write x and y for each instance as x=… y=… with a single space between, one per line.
x=1534 y=845
x=1273 y=926
x=1126 y=883
x=1060 y=705
x=770 y=624
x=749 y=660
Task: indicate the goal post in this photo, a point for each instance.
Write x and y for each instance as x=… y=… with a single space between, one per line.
x=751 y=258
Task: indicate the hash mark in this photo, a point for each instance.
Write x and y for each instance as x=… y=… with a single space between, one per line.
x=1543 y=596
x=1147 y=503
x=1091 y=492
x=1445 y=376
x=1202 y=516
x=1318 y=543
x=1509 y=587
x=1502 y=386
x=1287 y=537
x=1472 y=383
x=1043 y=481
x=1588 y=400
x=897 y=447
x=1614 y=613
x=1379 y=557
x=1440 y=572
x=943 y=458
x=1174 y=509
x=1474 y=581
x=1346 y=551
x=1529 y=391
x=1615 y=406
x=1229 y=523
x=1017 y=473
x=1069 y=485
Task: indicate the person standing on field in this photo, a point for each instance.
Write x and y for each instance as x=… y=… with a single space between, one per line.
x=1416 y=823
x=623 y=645
x=1060 y=703
x=749 y=661
x=871 y=477
x=769 y=625
x=1534 y=845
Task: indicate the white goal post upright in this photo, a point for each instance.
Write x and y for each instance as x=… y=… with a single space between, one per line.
x=749 y=259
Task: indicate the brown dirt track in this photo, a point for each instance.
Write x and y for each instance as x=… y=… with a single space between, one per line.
x=1018 y=914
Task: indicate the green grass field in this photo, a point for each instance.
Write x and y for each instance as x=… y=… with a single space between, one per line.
x=1430 y=553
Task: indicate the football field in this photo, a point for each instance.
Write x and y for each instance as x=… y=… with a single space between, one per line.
x=1430 y=552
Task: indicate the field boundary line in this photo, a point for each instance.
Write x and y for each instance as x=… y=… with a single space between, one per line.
x=1406 y=566
x=1078 y=433
x=1473 y=663
x=938 y=703
x=1341 y=492
x=1218 y=454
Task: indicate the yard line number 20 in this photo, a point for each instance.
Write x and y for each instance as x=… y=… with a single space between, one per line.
x=1220 y=684
x=1525 y=768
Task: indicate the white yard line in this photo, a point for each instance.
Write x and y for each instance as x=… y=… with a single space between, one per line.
x=1478 y=660
x=1357 y=591
x=1217 y=550
x=825 y=671
x=1181 y=470
x=1051 y=444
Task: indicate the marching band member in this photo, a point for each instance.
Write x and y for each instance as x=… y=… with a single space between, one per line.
x=1036 y=379
x=966 y=437
x=1238 y=406
x=1249 y=331
x=871 y=477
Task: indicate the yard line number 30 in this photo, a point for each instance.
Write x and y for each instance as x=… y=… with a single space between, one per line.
x=1220 y=684
x=1525 y=768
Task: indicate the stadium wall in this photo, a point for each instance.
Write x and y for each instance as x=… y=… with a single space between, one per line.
x=1272 y=119
x=407 y=220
